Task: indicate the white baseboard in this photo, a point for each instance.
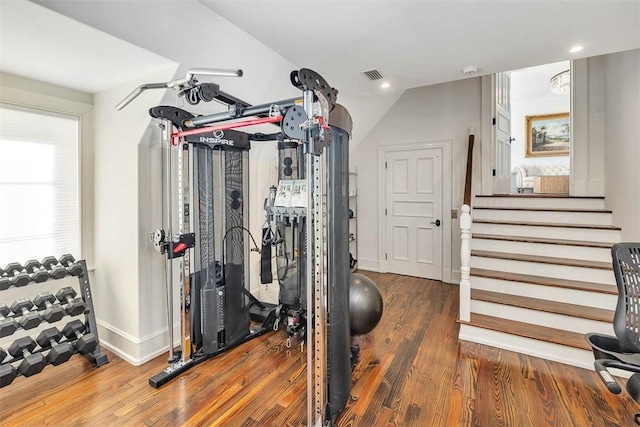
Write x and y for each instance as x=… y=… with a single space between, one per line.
x=136 y=351
x=368 y=264
x=588 y=188
x=449 y=276
x=580 y=187
x=595 y=188
x=455 y=277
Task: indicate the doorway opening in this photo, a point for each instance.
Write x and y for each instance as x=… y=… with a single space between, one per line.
x=540 y=131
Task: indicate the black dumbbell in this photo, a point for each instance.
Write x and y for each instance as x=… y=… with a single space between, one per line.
x=60 y=352
x=52 y=312
x=32 y=363
x=4 y=282
x=37 y=275
x=70 y=263
x=30 y=319
x=56 y=271
x=16 y=275
x=7 y=326
x=74 y=306
x=7 y=374
x=86 y=342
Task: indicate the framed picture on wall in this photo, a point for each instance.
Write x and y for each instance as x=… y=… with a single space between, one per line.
x=548 y=135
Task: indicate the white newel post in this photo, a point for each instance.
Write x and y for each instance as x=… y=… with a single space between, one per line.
x=465 y=261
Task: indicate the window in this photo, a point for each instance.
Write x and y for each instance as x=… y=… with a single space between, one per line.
x=39 y=194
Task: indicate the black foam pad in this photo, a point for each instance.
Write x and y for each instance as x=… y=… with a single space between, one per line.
x=266 y=275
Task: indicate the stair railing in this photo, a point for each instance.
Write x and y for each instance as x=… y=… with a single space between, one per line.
x=467 y=182
x=465 y=238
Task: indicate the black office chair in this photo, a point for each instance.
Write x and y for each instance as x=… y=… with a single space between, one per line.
x=623 y=350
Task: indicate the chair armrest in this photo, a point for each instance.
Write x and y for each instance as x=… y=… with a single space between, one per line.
x=520 y=174
x=601 y=366
x=608 y=380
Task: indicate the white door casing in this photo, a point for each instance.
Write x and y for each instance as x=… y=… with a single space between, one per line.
x=413 y=204
x=502 y=133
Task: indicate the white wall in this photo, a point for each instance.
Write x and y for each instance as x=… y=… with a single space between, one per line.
x=119 y=293
x=366 y=111
x=622 y=154
x=531 y=95
x=587 y=121
x=431 y=113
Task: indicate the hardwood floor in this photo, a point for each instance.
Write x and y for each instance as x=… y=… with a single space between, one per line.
x=412 y=372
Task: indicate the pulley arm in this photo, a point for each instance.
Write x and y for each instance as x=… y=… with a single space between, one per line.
x=187 y=82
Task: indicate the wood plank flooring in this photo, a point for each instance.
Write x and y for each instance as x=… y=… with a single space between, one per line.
x=412 y=372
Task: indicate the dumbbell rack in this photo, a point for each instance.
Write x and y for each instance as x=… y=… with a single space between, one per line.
x=96 y=357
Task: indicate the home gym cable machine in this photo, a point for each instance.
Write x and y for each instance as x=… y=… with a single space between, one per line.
x=206 y=164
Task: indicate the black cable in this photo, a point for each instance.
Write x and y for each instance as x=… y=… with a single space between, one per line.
x=286 y=257
x=248 y=232
x=223 y=247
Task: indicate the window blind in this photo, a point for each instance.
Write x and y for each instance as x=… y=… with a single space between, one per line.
x=39 y=196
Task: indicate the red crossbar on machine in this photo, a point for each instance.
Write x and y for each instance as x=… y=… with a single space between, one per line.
x=226 y=126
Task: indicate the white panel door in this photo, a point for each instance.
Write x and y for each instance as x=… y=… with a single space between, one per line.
x=414 y=213
x=502 y=134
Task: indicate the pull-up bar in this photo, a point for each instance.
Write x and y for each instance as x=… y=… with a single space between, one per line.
x=179 y=84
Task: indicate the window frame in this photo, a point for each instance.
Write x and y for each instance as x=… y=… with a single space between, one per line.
x=26 y=93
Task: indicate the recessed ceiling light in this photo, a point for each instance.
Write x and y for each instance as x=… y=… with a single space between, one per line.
x=385 y=85
x=575 y=49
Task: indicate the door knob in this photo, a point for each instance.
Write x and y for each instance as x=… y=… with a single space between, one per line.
x=436 y=222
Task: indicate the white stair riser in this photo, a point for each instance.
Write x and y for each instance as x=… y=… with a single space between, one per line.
x=539 y=202
x=569 y=296
x=582 y=274
x=591 y=218
x=586 y=235
x=541 y=318
x=546 y=350
x=543 y=249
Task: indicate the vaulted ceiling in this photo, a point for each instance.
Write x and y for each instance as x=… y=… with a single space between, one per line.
x=412 y=43
x=417 y=43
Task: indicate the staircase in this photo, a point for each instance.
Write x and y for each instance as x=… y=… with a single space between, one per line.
x=541 y=275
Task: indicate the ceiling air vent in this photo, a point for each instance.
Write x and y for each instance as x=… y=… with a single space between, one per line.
x=373 y=75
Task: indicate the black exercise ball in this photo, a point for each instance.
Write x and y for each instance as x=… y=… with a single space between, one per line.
x=365 y=304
